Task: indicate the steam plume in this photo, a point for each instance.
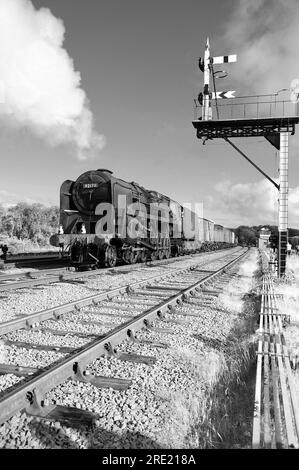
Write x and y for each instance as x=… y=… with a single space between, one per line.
x=41 y=89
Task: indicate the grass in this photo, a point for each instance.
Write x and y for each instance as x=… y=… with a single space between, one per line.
x=218 y=412
x=24 y=246
x=289 y=305
x=218 y=415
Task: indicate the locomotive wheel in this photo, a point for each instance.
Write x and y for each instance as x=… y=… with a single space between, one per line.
x=180 y=251
x=133 y=257
x=143 y=256
x=160 y=254
x=154 y=255
x=110 y=256
x=167 y=254
x=130 y=256
x=174 y=252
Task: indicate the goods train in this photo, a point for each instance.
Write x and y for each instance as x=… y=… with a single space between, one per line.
x=104 y=219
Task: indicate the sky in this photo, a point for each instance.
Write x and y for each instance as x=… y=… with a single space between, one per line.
x=111 y=83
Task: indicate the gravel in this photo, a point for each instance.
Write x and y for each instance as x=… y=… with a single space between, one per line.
x=139 y=416
x=31 y=358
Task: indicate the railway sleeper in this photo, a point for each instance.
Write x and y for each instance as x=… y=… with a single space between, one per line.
x=40 y=347
x=96 y=323
x=132 y=337
x=173 y=321
x=125 y=304
x=150 y=294
x=129 y=357
x=198 y=302
x=100 y=381
x=174 y=289
x=70 y=415
x=54 y=332
x=137 y=358
x=212 y=292
x=18 y=371
x=188 y=314
x=113 y=315
x=155 y=329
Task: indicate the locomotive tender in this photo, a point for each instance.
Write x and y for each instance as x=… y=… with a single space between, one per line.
x=104 y=219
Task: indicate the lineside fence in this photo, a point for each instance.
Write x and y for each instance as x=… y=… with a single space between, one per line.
x=276 y=407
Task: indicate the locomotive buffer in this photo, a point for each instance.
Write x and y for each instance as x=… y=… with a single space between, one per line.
x=248 y=116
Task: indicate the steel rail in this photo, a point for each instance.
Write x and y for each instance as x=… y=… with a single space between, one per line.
x=73 y=367
x=65 y=276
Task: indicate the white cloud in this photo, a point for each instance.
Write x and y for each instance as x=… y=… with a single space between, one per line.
x=250 y=204
x=41 y=88
x=264 y=34
x=8 y=199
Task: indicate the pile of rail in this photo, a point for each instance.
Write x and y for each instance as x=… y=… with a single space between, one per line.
x=276 y=410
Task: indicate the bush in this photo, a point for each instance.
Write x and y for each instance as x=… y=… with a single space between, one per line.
x=28 y=222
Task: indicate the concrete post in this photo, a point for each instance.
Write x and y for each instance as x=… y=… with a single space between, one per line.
x=283 y=202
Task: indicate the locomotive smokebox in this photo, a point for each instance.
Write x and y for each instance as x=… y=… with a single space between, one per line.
x=91 y=188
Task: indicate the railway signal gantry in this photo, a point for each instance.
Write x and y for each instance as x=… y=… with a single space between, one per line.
x=249 y=116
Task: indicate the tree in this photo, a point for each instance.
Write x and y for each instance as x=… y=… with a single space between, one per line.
x=34 y=222
x=246 y=235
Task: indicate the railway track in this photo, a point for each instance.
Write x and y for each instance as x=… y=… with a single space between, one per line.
x=33 y=256
x=31 y=260
x=139 y=304
x=276 y=410
x=65 y=274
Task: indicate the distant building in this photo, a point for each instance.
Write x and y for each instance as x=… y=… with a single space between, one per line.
x=264 y=236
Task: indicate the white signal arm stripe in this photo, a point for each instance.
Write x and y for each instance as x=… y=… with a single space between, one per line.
x=225 y=59
x=229 y=94
x=223 y=94
x=232 y=58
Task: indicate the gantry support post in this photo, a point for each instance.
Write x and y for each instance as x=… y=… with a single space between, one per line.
x=283 y=202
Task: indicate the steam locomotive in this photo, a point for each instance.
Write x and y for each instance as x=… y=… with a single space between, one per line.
x=104 y=219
